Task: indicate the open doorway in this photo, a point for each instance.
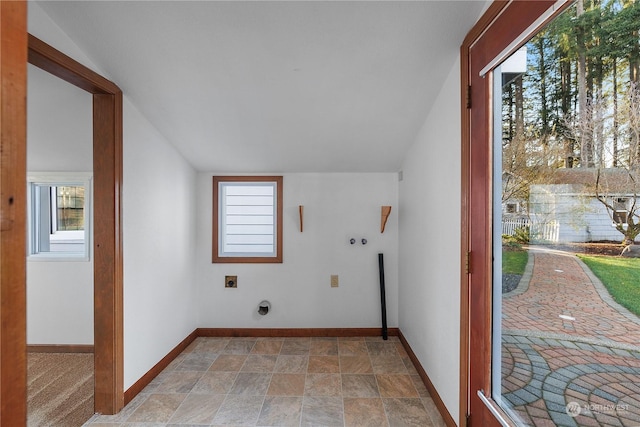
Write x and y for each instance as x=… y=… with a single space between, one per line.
x=553 y=156
x=60 y=326
x=107 y=234
x=566 y=158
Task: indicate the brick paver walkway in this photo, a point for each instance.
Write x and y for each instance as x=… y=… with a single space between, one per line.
x=566 y=344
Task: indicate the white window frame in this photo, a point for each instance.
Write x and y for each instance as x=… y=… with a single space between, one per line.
x=221 y=236
x=59 y=179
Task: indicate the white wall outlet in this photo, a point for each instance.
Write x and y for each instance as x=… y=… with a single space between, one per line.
x=334 y=281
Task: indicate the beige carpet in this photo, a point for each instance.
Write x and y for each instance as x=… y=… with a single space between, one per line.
x=60 y=389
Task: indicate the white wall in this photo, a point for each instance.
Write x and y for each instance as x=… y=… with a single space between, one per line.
x=429 y=293
x=158 y=226
x=59 y=293
x=336 y=208
x=159 y=203
x=59 y=302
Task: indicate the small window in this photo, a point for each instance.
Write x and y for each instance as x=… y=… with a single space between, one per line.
x=59 y=216
x=247 y=219
x=620 y=217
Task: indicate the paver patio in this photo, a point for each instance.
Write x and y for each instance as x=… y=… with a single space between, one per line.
x=570 y=354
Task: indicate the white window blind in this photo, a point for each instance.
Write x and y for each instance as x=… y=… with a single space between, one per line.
x=247 y=219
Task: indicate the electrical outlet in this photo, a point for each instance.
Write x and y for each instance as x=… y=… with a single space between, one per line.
x=230 y=281
x=334 y=281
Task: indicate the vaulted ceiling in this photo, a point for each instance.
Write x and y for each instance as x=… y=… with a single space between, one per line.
x=270 y=86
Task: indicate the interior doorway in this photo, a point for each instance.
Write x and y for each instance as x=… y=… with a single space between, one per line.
x=60 y=326
x=107 y=236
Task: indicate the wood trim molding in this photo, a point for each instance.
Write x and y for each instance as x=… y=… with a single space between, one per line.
x=489 y=16
x=503 y=22
x=57 y=63
x=59 y=348
x=294 y=332
x=107 y=241
x=442 y=408
x=13 y=203
x=139 y=385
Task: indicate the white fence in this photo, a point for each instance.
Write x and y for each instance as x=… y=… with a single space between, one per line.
x=539 y=232
x=510 y=225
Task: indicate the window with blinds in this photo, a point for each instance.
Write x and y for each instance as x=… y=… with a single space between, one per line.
x=247 y=219
x=59 y=216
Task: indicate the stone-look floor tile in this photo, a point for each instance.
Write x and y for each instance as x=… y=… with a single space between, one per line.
x=419 y=385
x=378 y=338
x=215 y=383
x=179 y=382
x=192 y=346
x=359 y=385
x=158 y=408
x=352 y=348
x=99 y=424
x=401 y=350
x=286 y=385
x=281 y=411
x=406 y=412
x=382 y=349
x=229 y=363
x=175 y=362
x=362 y=382
x=434 y=413
x=124 y=413
x=267 y=347
x=197 y=362
x=211 y=345
x=324 y=365
x=292 y=364
x=323 y=348
x=323 y=385
x=355 y=365
x=156 y=382
x=411 y=369
x=238 y=410
x=145 y=425
x=360 y=412
x=322 y=411
x=392 y=385
x=388 y=365
x=259 y=363
x=251 y=384
x=197 y=409
x=296 y=346
x=238 y=347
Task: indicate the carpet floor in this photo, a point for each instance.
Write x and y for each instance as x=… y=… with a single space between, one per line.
x=59 y=389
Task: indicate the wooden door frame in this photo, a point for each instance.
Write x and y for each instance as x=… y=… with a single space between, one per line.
x=107 y=218
x=13 y=231
x=503 y=22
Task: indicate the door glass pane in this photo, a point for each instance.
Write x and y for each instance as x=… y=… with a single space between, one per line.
x=566 y=167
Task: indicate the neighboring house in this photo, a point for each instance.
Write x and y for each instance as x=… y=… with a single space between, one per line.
x=568 y=204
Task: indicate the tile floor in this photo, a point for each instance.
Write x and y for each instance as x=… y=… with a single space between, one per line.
x=284 y=382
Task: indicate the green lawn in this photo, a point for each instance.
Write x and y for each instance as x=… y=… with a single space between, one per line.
x=514 y=262
x=621 y=277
